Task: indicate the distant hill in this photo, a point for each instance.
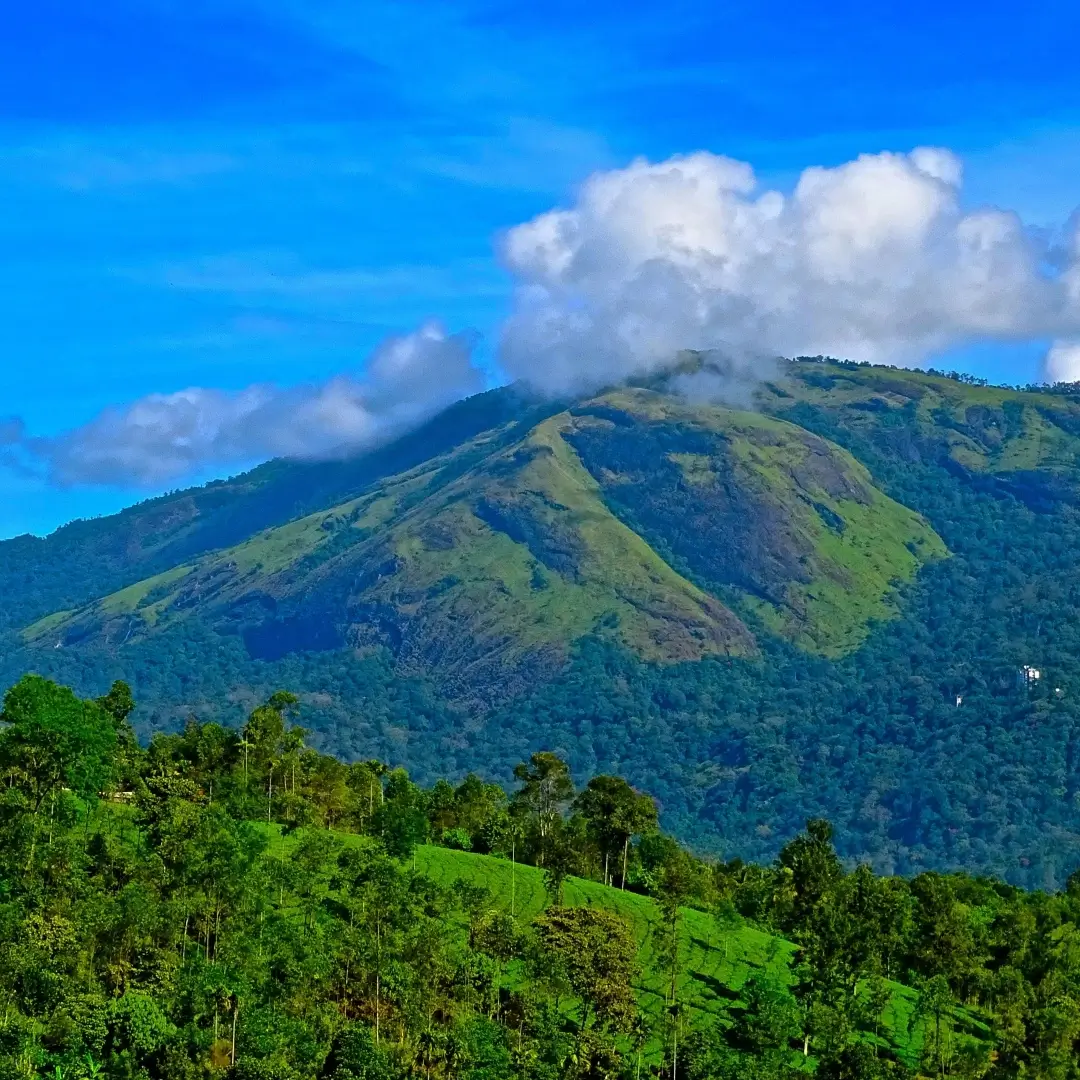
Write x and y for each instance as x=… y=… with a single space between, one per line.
x=821 y=605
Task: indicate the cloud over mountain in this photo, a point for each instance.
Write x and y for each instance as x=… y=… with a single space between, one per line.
x=164 y=437
x=874 y=259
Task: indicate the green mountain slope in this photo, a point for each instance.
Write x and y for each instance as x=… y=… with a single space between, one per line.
x=87 y=559
x=820 y=607
x=791 y=522
x=1020 y=442
x=483 y=566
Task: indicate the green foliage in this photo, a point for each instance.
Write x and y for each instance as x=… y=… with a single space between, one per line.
x=53 y=738
x=595 y=951
x=614 y=813
x=178 y=933
x=747 y=615
x=354 y=1056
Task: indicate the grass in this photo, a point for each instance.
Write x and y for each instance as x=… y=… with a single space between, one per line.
x=40 y=629
x=483 y=585
x=125 y=601
x=1039 y=444
x=853 y=570
x=717 y=958
x=505 y=594
x=483 y=593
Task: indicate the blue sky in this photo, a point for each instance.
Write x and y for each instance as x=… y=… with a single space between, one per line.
x=217 y=194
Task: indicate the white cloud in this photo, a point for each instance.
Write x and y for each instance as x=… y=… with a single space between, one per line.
x=874 y=259
x=1063 y=362
x=165 y=437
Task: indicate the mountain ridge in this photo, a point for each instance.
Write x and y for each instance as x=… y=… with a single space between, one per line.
x=821 y=608
x=535 y=542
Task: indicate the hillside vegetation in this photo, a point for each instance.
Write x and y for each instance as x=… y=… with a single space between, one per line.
x=235 y=904
x=820 y=607
x=492 y=560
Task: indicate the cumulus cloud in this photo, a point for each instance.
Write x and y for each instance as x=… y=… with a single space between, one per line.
x=874 y=260
x=165 y=437
x=1063 y=362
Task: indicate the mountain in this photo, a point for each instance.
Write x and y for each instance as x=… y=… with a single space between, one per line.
x=483 y=565
x=86 y=559
x=821 y=604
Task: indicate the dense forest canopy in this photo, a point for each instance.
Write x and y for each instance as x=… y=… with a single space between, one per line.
x=832 y=606
x=233 y=903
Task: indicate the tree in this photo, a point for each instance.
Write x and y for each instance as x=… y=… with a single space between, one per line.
x=401 y=821
x=615 y=812
x=354 y=1056
x=496 y=934
x=478 y=808
x=365 y=780
x=546 y=789
x=769 y=1019
x=400 y=827
x=814 y=867
x=934 y=1008
x=675 y=885
x=857 y=1061
x=265 y=736
x=119 y=702
x=54 y=740
x=597 y=951
x=561 y=863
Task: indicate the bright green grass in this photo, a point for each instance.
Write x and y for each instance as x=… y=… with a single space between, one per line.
x=483 y=580
x=490 y=587
x=503 y=594
x=36 y=631
x=853 y=573
x=118 y=603
x=716 y=958
x=1040 y=444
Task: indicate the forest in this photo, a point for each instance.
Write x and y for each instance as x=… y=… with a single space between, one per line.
x=229 y=902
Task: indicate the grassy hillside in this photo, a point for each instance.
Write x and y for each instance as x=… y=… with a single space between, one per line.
x=717 y=958
x=745 y=501
x=88 y=559
x=1024 y=440
x=485 y=564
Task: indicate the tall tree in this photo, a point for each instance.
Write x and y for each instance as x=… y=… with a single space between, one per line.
x=597 y=951
x=53 y=741
x=812 y=862
x=546 y=788
x=615 y=813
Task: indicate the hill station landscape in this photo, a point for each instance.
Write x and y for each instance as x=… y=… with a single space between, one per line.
x=852 y=597
x=539 y=541
x=636 y=734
